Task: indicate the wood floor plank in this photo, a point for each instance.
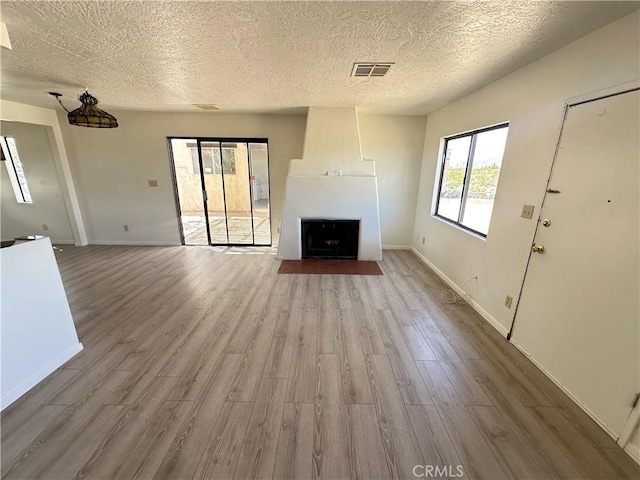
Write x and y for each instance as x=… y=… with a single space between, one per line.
x=257 y=456
x=213 y=322
x=84 y=444
x=368 y=452
x=577 y=417
x=278 y=294
x=417 y=344
x=399 y=284
x=435 y=443
x=311 y=292
x=471 y=446
x=245 y=385
x=328 y=322
x=221 y=455
x=540 y=445
x=511 y=455
x=247 y=322
x=437 y=381
x=441 y=347
x=144 y=459
x=27 y=432
x=199 y=366
x=182 y=324
x=618 y=459
x=401 y=448
x=302 y=373
x=105 y=461
x=469 y=390
x=55 y=439
x=17 y=414
x=374 y=293
x=181 y=460
x=586 y=457
x=278 y=362
x=331 y=435
x=342 y=284
x=529 y=391
x=411 y=385
x=370 y=338
x=294 y=457
x=354 y=369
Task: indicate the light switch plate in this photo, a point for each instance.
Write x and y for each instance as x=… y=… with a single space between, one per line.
x=153 y=183
x=527 y=211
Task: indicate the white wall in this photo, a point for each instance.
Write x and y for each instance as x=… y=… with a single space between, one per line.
x=112 y=167
x=395 y=143
x=48 y=206
x=38 y=334
x=532 y=100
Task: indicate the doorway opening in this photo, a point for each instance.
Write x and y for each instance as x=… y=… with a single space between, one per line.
x=222 y=190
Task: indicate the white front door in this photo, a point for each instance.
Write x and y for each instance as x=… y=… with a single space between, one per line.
x=579 y=313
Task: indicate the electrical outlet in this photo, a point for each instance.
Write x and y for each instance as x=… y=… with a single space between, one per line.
x=126 y=228
x=527 y=211
x=423 y=240
x=507 y=301
x=45 y=227
x=153 y=183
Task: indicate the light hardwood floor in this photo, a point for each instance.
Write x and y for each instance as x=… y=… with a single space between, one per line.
x=202 y=364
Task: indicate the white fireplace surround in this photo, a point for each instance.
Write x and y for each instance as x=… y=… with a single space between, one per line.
x=332 y=144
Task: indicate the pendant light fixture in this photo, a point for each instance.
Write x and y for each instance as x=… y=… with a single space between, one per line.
x=88 y=115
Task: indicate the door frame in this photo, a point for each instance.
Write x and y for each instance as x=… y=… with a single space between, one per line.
x=174 y=180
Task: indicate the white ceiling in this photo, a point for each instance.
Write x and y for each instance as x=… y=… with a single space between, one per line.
x=279 y=56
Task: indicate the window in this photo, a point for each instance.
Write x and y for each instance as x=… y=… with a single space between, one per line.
x=469 y=176
x=211 y=159
x=11 y=159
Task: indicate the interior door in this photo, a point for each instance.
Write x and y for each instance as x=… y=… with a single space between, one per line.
x=579 y=314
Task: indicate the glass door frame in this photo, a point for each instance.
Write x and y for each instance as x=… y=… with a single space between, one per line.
x=220 y=140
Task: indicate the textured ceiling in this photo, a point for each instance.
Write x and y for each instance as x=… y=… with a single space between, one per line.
x=279 y=56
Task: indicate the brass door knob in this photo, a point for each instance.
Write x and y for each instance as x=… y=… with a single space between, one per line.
x=538 y=249
x=546 y=222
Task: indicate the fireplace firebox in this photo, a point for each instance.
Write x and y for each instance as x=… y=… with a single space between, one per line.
x=330 y=238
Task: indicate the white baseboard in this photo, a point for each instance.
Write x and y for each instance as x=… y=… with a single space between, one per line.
x=397 y=247
x=475 y=305
x=40 y=375
x=633 y=451
x=135 y=242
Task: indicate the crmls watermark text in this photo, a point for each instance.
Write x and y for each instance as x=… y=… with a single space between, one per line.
x=438 y=471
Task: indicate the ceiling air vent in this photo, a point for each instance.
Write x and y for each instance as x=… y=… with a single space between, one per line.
x=370 y=69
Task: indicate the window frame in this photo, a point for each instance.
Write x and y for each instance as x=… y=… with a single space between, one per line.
x=21 y=192
x=467 y=175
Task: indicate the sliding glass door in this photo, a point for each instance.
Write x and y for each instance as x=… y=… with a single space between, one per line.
x=222 y=190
